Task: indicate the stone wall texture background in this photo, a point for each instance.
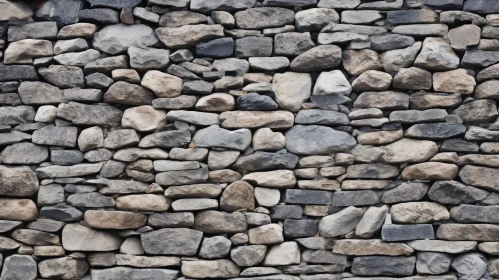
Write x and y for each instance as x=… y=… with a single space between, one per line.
x=249 y=139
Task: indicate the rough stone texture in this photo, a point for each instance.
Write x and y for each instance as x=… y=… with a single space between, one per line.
x=245 y=139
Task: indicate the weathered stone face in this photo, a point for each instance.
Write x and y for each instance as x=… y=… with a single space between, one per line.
x=245 y=139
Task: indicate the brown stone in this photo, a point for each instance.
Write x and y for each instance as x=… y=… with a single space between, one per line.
x=114 y=219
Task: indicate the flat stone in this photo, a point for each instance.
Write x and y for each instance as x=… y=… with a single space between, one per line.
x=211 y=221
x=182 y=177
x=483 y=110
x=224 y=5
x=317 y=58
x=356 y=198
x=419 y=212
x=148 y=58
x=482 y=177
x=128 y=94
x=412 y=78
x=372 y=171
x=193 y=117
x=255 y=119
x=40 y=93
x=17 y=72
x=171 y=220
x=254 y=102
x=421 y=150
x=308 y=197
x=272 y=179
x=57 y=171
x=474 y=214
x=131 y=273
x=214 y=136
x=210 y=269
x=430 y=171
x=292 y=43
x=218 y=48
x=383 y=265
x=353 y=247
x=175 y=37
x=296 y=136
x=114 y=39
x=263 y=17
x=19 y=182
x=451 y=247
x=172 y=241
x=143 y=202
x=65 y=268
x=407 y=232
x=435 y=131
x=19 y=267
x=391 y=100
x=114 y=219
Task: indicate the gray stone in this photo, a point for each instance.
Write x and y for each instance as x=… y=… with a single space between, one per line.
x=148 y=58
x=213 y=222
x=453 y=192
x=407 y=191
x=371 y=221
x=61 y=212
x=180 y=18
x=64 y=268
x=317 y=58
x=224 y=5
x=388 y=41
x=299 y=228
x=407 y=232
x=451 y=247
x=356 y=198
x=282 y=212
x=308 y=197
x=56 y=171
x=372 y=171
x=253 y=47
x=24 y=153
x=90 y=200
x=171 y=220
x=383 y=100
x=481 y=6
x=100 y=15
x=394 y=60
x=174 y=241
x=383 y=265
x=286 y=253
x=297 y=136
x=182 y=177
x=314 y=19
x=19 y=267
x=214 y=136
x=134 y=273
x=323 y=117
x=218 y=48
x=17 y=72
x=470 y=265
x=40 y=93
x=215 y=247
x=340 y=223
x=482 y=110
x=84 y=114
x=479 y=58
x=57 y=136
x=128 y=94
x=210 y=269
x=292 y=43
x=435 y=131
x=114 y=39
x=35 y=30
x=62 y=12
x=266 y=161
x=248 y=255
x=475 y=214
x=264 y=17
x=255 y=102
x=66 y=157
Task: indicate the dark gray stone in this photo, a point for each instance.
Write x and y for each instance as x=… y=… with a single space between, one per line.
x=264 y=17
x=35 y=30
x=390 y=41
x=17 y=115
x=475 y=214
x=98 y=80
x=299 y=228
x=90 y=200
x=182 y=177
x=324 y=117
x=216 y=137
x=410 y=17
x=266 y=161
x=256 y=102
x=356 y=198
x=19 y=267
x=172 y=241
x=407 y=191
x=308 y=197
x=117 y=4
x=481 y=6
x=435 y=131
x=479 y=58
x=101 y=15
x=61 y=212
x=453 y=192
x=458 y=145
x=121 y=272
x=171 y=220
x=218 y=48
x=215 y=247
x=62 y=12
x=445 y=4
x=407 y=232
x=63 y=76
x=253 y=47
x=66 y=157
x=17 y=72
x=383 y=265
x=282 y=212
x=324 y=101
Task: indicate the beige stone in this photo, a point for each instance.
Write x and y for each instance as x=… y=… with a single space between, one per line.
x=419 y=212
x=162 y=84
x=264 y=139
x=380 y=137
x=266 y=234
x=357 y=62
x=18 y=209
x=114 y=219
x=143 y=118
x=409 y=150
x=354 y=247
x=459 y=80
x=143 y=202
x=472 y=232
x=236 y=196
x=216 y=102
x=272 y=179
x=430 y=171
x=256 y=119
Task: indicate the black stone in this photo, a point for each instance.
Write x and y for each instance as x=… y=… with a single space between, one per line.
x=407 y=232
x=61 y=212
x=218 y=48
x=299 y=228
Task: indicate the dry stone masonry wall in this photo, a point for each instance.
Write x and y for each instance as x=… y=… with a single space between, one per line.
x=249 y=139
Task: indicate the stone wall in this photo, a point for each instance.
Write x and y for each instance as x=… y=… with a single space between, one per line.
x=249 y=139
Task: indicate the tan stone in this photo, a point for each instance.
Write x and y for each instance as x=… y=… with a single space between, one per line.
x=114 y=219
x=77 y=30
x=256 y=119
x=143 y=118
x=264 y=139
x=266 y=234
x=473 y=232
x=18 y=209
x=459 y=80
x=409 y=150
x=143 y=202
x=430 y=171
x=357 y=62
x=353 y=247
x=23 y=51
x=419 y=212
x=236 y=196
x=379 y=137
x=216 y=102
x=162 y=84
x=478 y=176
x=272 y=179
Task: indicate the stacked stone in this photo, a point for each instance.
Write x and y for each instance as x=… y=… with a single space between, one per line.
x=249 y=139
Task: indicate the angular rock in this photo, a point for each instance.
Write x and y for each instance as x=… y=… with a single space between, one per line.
x=435 y=131
x=458 y=80
x=286 y=253
x=453 y=192
x=63 y=268
x=292 y=89
x=333 y=82
x=436 y=55
x=292 y=43
x=213 y=222
x=407 y=232
x=483 y=110
x=357 y=62
x=128 y=94
x=264 y=17
x=214 y=136
x=297 y=136
x=62 y=12
x=172 y=241
x=340 y=223
x=188 y=35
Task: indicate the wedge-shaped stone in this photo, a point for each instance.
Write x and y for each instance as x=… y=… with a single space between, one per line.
x=437 y=55
x=256 y=119
x=188 y=35
x=419 y=212
x=472 y=232
x=435 y=131
x=381 y=265
x=114 y=219
x=354 y=247
x=216 y=137
x=128 y=94
x=57 y=171
x=85 y=114
x=453 y=192
x=272 y=179
x=394 y=60
x=409 y=150
x=214 y=222
x=166 y=139
x=172 y=241
x=340 y=223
